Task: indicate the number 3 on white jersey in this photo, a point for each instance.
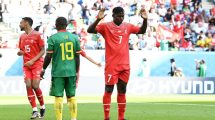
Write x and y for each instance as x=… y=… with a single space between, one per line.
x=120 y=39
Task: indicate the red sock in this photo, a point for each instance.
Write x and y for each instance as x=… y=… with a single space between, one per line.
x=121 y=100
x=31 y=97
x=39 y=94
x=106 y=104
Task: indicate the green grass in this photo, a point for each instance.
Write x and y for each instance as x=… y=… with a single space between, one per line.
x=174 y=107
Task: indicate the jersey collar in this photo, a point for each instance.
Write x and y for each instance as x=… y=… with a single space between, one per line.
x=62 y=30
x=116 y=24
x=29 y=32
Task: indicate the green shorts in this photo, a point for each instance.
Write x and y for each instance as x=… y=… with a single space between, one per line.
x=58 y=85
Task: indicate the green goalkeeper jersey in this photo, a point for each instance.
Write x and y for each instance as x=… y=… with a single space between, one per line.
x=202 y=70
x=64 y=47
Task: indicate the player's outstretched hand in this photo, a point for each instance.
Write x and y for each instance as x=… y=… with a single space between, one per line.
x=101 y=14
x=42 y=74
x=29 y=63
x=143 y=14
x=99 y=64
x=20 y=53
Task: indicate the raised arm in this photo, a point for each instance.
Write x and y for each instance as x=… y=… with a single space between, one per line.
x=143 y=27
x=92 y=27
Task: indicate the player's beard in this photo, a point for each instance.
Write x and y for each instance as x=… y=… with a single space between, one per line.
x=21 y=29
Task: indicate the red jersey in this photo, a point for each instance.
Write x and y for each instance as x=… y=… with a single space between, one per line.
x=30 y=44
x=173 y=2
x=180 y=31
x=116 y=42
x=213 y=11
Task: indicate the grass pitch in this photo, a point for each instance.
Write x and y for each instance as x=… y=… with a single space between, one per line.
x=174 y=107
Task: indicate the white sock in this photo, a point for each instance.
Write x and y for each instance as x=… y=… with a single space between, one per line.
x=35 y=109
x=42 y=107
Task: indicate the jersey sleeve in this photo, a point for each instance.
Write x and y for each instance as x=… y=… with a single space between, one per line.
x=133 y=29
x=100 y=28
x=83 y=53
x=41 y=41
x=19 y=44
x=50 y=48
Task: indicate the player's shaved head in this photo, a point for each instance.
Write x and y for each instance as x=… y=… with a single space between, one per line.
x=118 y=10
x=61 y=23
x=118 y=15
x=29 y=20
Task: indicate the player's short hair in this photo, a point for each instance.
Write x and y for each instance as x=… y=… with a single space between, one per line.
x=172 y=60
x=118 y=10
x=61 y=23
x=29 y=20
x=202 y=61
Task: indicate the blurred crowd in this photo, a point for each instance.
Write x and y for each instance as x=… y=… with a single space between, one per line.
x=173 y=25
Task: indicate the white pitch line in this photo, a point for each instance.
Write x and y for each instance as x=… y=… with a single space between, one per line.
x=181 y=104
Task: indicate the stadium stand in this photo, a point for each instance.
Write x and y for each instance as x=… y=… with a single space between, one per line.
x=186 y=20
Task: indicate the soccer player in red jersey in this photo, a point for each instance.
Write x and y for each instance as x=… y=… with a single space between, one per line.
x=31 y=47
x=117 y=66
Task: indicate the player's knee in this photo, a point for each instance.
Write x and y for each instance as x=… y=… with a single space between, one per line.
x=28 y=83
x=35 y=86
x=122 y=90
x=109 y=88
x=28 y=86
x=121 y=87
x=69 y=97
